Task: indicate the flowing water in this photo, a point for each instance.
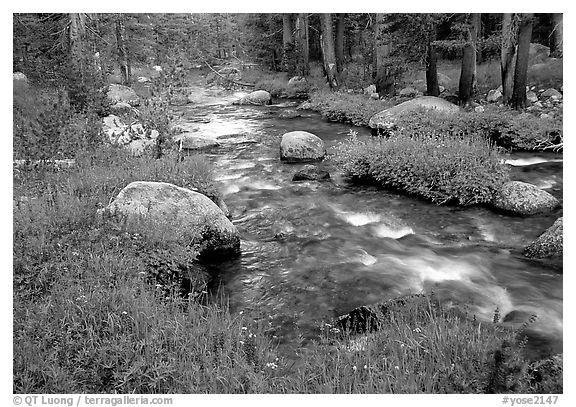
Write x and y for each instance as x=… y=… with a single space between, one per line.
x=313 y=251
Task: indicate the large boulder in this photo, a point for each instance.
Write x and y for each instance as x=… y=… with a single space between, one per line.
x=385 y=119
x=120 y=93
x=548 y=93
x=521 y=198
x=301 y=146
x=548 y=244
x=258 y=97
x=191 y=216
x=538 y=53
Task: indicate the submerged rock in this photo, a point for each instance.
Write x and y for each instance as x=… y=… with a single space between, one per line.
x=385 y=119
x=548 y=244
x=301 y=146
x=521 y=198
x=258 y=97
x=311 y=173
x=289 y=114
x=191 y=217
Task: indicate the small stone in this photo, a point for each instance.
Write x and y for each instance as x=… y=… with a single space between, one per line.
x=531 y=97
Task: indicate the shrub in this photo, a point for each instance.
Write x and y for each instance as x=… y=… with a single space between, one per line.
x=437 y=167
x=506 y=127
x=45 y=126
x=347 y=107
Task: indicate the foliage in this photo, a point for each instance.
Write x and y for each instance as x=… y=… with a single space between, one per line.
x=347 y=107
x=45 y=125
x=435 y=166
x=506 y=127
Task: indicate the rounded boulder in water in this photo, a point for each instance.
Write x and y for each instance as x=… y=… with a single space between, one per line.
x=548 y=244
x=301 y=146
x=258 y=97
x=521 y=198
x=188 y=216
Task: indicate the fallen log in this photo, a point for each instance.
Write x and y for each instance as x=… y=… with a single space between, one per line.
x=228 y=79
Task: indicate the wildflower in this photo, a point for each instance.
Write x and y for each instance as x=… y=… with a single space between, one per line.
x=241 y=312
x=365 y=367
x=124 y=313
x=272 y=365
x=354 y=368
x=158 y=285
x=397 y=367
x=335 y=330
x=244 y=328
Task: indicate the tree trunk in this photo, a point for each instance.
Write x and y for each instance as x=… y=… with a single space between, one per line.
x=328 y=52
x=508 y=54
x=124 y=61
x=77 y=45
x=558 y=36
x=521 y=71
x=468 y=71
x=340 y=28
x=287 y=42
x=384 y=79
x=432 y=88
x=303 y=50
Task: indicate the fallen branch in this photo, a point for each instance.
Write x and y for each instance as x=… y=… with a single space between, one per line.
x=228 y=79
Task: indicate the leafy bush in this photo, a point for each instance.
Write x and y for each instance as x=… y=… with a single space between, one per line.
x=437 y=167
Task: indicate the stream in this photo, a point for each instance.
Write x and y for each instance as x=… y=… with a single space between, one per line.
x=313 y=251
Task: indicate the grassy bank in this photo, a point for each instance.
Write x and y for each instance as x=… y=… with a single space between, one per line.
x=507 y=128
x=101 y=310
